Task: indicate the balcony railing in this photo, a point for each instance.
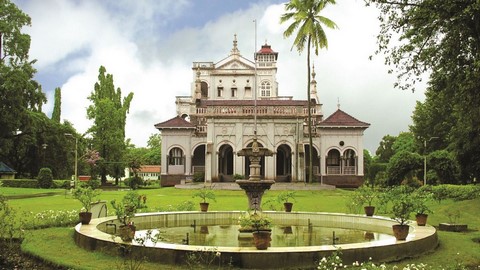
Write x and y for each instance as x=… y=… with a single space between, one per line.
x=337 y=170
x=250 y=110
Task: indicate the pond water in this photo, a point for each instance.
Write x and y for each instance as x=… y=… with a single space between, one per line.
x=282 y=236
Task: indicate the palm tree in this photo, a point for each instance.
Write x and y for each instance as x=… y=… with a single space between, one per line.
x=307 y=19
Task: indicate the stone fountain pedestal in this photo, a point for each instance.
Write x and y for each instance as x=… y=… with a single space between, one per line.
x=255 y=187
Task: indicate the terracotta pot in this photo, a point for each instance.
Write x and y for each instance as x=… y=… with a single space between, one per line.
x=369 y=210
x=127 y=232
x=400 y=231
x=288 y=206
x=85 y=217
x=421 y=219
x=262 y=239
x=204 y=206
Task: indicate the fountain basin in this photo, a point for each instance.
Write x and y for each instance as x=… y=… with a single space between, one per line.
x=94 y=236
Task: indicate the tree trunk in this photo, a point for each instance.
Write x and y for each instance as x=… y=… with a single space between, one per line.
x=310 y=141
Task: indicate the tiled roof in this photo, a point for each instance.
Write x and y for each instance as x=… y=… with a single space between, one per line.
x=5 y=169
x=150 y=169
x=176 y=122
x=260 y=102
x=266 y=49
x=342 y=119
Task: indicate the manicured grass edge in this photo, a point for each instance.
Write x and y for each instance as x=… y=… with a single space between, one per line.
x=57 y=247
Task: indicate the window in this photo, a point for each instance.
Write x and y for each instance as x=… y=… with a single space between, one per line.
x=204 y=89
x=248 y=91
x=265 y=89
x=234 y=91
x=219 y=91
x=176 y=156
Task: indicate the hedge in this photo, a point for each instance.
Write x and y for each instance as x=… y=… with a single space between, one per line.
x=32 y=183
x=20 y=183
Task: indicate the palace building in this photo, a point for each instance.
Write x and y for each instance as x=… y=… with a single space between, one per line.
x=233 y=98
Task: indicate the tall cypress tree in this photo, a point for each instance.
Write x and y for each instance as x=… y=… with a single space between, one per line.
x=109 y=114
x=57 y=105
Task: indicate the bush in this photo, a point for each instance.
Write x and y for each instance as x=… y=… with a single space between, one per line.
x=20 y=183
x=455 y=192
x=61 y=184
x=133 y=182
x=93 y=183
x=45 y=178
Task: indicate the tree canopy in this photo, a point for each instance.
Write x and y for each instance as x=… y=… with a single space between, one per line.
x=109 y=114
x=440 y=39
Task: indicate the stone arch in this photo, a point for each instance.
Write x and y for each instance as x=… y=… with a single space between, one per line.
x=349 y=162
x=198 y=158
x=315 y=161
x=284 y=163
x=333 y=161
x=225 y=163
x=204 y=89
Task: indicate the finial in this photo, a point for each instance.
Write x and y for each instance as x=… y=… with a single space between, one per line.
x=313 y=71
x=235 y=48
x=338 y=103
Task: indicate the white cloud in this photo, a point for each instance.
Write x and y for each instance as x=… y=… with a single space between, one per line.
x=155 y=63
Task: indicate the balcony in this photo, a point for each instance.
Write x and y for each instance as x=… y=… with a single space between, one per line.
x=250 y=111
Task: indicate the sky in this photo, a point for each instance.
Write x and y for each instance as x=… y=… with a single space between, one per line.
x=149 y=47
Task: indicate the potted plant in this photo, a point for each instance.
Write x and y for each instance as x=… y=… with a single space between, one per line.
x=366 y=195
x=452 y=226
x=86 y=196
x=259 y=225
x=421 y=207
x=125 y=212
x=284 y=198
x=204 y=194
x=402 y=207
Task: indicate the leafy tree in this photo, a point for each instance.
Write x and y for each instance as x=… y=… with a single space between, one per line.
x=57 y=105
x=444 y=165
x=154 y=147
x=21 y=98
x=405 y=141
x=443 y=39
x=401 y=165
x=385 y=149
x=45 y=178
x=109 y=114
x=308 y=21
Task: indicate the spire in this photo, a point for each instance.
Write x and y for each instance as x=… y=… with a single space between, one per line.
x=198 y=86
x=235 y=50
x=338 y=103
x=313 y=87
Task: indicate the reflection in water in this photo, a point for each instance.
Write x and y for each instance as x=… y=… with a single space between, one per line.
x=282 y=236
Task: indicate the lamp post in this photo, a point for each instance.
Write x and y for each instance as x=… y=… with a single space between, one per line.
x=76 y=156
x=425 y=159
x=44 y=146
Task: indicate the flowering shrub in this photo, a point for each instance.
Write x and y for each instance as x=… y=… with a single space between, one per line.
x=51 y=218
x=334 y=262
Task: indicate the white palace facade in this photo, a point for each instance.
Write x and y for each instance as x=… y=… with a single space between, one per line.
x=218 y=119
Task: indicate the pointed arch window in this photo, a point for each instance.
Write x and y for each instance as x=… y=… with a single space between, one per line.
x=265 y=89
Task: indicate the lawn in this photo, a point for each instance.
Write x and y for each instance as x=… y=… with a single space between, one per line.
x=454 y=247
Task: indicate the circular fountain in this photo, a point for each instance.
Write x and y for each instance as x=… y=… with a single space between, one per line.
x=100 y=235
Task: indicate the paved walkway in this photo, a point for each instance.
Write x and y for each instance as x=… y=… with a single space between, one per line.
x=276 y=186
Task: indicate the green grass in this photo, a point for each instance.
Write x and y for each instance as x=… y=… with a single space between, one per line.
x=46 y=243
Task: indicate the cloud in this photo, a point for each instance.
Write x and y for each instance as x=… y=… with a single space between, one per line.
x=150 y=52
